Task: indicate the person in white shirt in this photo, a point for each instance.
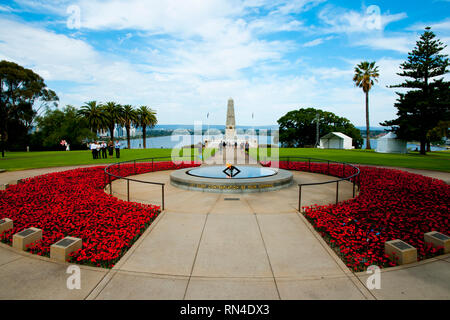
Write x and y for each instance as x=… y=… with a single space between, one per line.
x=93 y=148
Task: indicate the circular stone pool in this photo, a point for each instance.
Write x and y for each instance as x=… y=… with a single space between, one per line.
x=247 y=179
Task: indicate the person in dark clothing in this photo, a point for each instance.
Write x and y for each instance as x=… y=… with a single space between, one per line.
x=93 y=149
x=111 y=148
x=117 y=147
x=104 y=156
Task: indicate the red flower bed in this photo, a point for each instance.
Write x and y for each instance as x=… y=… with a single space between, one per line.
x=73 y=203
x=392 y=204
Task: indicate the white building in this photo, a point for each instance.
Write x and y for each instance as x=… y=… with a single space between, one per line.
x=390 y=144
x=336 y=140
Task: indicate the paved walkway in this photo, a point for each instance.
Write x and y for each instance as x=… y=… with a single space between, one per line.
x=206 y=247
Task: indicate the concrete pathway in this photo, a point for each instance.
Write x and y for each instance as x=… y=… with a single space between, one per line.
x=206 y=247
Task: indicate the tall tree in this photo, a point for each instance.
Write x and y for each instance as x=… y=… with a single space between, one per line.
x=57 y=125
x=298 y=127
x=112 y=113
x=20 y=89
x=365 y=75
x=146 y=118
x=129 y=117
x=427 y=103
x=92 y=112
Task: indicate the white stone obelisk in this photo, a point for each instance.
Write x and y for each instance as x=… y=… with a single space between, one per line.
x=230 y=131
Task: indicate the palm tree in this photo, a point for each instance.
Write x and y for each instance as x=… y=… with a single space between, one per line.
x=146 y=117
x=129 y=116
x=92 y=112
x=112 y=112
x=365 y=75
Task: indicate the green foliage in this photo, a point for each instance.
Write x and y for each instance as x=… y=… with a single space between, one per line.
x=298 y=127
x=112 y=113
x=57 y=125
x=421 y=109
x=129 y=116
x=366 y=73
x=146 y=118
x=20 y=90
x=92 y=112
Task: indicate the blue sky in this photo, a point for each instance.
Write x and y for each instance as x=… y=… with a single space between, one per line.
x=185 y=58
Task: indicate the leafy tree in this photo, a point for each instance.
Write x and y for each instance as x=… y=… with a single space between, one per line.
x=112 y=113
x=20 y=90
x=439 y=132
x=93 y=113
x=129 y=117
x=365 y=75
x=421 y=109
x=146 y=117
x=298 y=127
x=57 y=125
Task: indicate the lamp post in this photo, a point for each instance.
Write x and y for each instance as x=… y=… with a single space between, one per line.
x=317 y=130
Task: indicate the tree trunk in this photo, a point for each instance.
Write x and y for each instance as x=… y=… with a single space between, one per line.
x=111 y=133
x=368 y=147
x=428 y=146
x=128 y=136
x=3 y=137
x=144 y=136
x=423 y=147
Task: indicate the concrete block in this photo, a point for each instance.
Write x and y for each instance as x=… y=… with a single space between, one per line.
x=438 y=239
x=60 y=250
x=6 y=224
x=402 y=250
x=25 y=237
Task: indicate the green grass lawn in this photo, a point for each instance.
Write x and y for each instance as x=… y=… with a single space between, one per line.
x=43 y=159
x=439 y=161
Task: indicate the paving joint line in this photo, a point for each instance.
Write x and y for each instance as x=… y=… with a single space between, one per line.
x=265 y=249
x=321 y=241
x=198 y=247
x=113 y=271
x=4 y=264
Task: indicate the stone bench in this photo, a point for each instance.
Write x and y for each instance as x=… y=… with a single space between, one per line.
x=402 y=250
x=60 y=250
x=6 y=224
x=25 y=237
x=438 y=239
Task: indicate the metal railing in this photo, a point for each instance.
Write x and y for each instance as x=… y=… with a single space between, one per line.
x=108 y=174
x=351 y=177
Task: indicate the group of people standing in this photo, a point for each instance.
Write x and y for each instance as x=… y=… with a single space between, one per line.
x=224 y=144
x=100 y=149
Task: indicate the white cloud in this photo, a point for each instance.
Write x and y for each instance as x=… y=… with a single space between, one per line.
x=316 y=42
x=48 y=52
x=435 y=26
x=200 y=61
x=402 y=44
x=338 y=20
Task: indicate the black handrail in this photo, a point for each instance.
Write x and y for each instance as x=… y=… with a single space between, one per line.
x=328 y=173
x=109 y=174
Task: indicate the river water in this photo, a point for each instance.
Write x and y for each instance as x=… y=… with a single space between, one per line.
x=178 y=141
x=409 y=146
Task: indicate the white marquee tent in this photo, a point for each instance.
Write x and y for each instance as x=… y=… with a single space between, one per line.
x=390 y=144
x=336 y=140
